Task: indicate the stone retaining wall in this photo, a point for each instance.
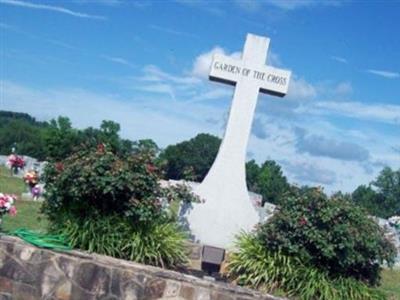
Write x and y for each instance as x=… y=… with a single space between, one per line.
x=30 y=273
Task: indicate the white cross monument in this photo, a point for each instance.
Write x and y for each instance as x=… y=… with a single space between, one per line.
x=227 y=209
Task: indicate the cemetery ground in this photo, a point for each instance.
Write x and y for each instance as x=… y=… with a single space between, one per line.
x=29 y=217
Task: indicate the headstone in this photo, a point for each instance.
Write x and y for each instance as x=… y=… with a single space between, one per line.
x=393 y=235
x=227 y=209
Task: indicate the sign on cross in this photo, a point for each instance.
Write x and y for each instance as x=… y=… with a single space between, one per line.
x=224 y=189
x=250 y=72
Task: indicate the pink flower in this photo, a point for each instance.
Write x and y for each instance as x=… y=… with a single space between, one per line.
x=13 y=211
x=101 y=148
x=59 y=166
x=302 y=221
x=150 y=168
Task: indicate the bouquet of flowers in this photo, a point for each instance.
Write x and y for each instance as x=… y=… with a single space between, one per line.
x=36 y=191
x=31 y=178
x=15 y=162
x=7 y=205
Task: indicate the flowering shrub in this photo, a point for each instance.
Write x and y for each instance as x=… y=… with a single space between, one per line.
x=253 y=265
x=329 y=234
x=96 y=193
x=7 y=205
x=100 y=182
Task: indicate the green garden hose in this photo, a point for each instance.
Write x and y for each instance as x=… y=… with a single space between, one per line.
x=41 y=240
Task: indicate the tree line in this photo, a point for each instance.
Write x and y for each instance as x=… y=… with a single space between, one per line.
x=190 y=160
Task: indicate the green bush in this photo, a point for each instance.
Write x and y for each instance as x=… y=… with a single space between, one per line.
x=330 y=234
x=115 y=206
x=159 y=243
x=101 y=182
x=254 y=266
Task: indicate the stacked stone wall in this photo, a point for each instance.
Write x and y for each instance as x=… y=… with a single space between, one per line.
x=30 y=273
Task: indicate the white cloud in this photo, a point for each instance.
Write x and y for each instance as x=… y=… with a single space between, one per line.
x=291 y=4
x=384 y=73
x=102 y=2
x=202 y=63
x=153 y=73
x=343 y=88
x=173 y=31
x=215 y=93
x=300 y=89
x=156 y=88
x=207 y=6
x=273 y=59
x=320 y=145
x=248 y=5
x=376 y=112
x=310 y=173
x=253 y=5
x=118 y=60
x=58 y=9
x=339 y=59
x=6 y=26
x=279 y=144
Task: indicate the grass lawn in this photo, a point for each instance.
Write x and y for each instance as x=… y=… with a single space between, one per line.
x=391 y=283
x=9 y=184
x=28 y=217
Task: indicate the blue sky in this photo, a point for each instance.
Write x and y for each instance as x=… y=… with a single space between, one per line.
x=144 y=64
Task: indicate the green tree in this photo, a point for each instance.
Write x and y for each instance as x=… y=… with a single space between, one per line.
x=267 y=180
x=340 y=194
x=146 y=146
x=252 y=173
x=272 y=184
x=109 y=134
x=22 y=132
x=191 y=159
x=27 y=139
x=90 y=136
x=382 y=197
x=60 y=139
x=57 y=139
x=388 y=188
x=366 y=197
